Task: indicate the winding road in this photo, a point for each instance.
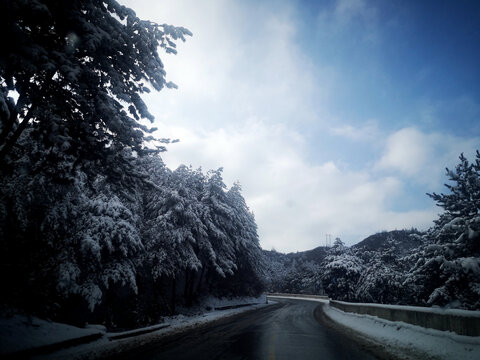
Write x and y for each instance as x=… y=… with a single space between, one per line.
x=287 y=330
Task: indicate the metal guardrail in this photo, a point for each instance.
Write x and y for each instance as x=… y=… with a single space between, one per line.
x=323 y=297
x=136 y=332
x=461 y=322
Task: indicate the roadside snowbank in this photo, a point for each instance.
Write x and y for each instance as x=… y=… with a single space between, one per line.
x=405 y=339
x=22 y=333
x=173 y=325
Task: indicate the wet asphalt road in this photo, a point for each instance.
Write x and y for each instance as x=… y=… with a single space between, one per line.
x=286 y=331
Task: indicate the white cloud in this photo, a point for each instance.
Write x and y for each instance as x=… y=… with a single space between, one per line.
x=243 y=61
x=367 y=132
x=295 y=202
x=422 y=157
x=407 y=151
x=246 y=88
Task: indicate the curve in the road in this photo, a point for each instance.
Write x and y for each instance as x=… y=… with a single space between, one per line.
x=286 y=331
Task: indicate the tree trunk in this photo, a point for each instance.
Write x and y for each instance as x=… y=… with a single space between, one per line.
x=185 y=289
x=199 y=285
x=190 y=289
x=174 y=293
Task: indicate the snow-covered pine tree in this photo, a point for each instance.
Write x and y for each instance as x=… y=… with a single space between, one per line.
x=171 y=231
x=29 y=245
x=447 y=269
x=217 y=217
x=342 y=271
x=98 y=256
x=248 y=279
x=381 y=281
x=79 y=71
x=74 y=142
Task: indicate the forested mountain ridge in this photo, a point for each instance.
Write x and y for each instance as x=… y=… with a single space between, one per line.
x=287 y=272
x=405 y=240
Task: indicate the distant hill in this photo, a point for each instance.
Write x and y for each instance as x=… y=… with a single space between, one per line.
x=295 y=272
x=316 y=256
x=376 y=242
x=404 y=240
x=302 y=272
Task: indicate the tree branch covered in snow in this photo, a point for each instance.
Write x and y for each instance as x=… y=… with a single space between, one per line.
x=79 y=71
x=93 y=226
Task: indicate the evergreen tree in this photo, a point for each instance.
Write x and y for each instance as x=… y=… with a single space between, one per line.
x=216 y=216
x=93 y=225
x=79 y=70
x=381 y=281
x=447 y=269
x=249 y=258
x=342 y=271
x=172 y=228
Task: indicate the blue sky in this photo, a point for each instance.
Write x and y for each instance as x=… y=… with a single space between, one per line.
x=397 y=57
x=401 y=63
x=335 y=116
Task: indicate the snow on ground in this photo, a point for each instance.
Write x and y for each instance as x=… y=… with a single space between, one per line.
x=20 y=332
x=402 y=338
x=170 y=326
x=406 y=340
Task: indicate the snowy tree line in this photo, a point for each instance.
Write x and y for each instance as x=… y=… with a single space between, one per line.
x=124 y=253
x=438 y=267
x=93 y=226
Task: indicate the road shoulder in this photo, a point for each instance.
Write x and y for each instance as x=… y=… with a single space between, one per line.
x=117 y=348
x=399 y=340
